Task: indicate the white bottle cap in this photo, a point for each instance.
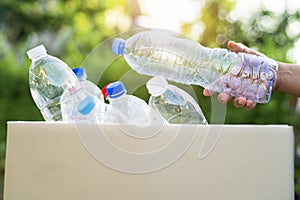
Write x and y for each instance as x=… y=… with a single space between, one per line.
x=157 y=85
x=36 y=52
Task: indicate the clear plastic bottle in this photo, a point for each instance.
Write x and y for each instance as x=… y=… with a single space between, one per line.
x=87 y=85
x=129 y=109
x=108 y=116
x=78 y=106
x=173 y=103
x=184 y=61
x=49 y=77
x=91 y=110
x=69 y=102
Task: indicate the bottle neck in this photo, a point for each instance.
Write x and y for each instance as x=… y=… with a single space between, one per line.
x=38 y=57
x=81 y=78
x=117 y=99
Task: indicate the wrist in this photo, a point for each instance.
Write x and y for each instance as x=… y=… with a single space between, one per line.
x=277 y=81
x=285 y=81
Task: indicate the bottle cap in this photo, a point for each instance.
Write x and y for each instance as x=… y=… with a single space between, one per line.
x=79 y=72
x=115 y=89
x=86 y=105
x=104 y=91
x=118 y=46
x=36 y=52
x=157 y=85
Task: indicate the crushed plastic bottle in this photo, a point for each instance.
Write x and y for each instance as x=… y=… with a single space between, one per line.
x=173 y=103
x=49 y=77
x=129 y=109
x=156 y=53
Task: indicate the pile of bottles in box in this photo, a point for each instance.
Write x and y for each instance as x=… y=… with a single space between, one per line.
x=65 y=94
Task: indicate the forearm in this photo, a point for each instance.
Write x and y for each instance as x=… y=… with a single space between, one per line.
x=288 y=79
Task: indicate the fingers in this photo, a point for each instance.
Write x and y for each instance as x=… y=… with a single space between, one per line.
x=250 y=105
x=223 y=98
x=207 y=93
x=239 y=47
x=240 y=102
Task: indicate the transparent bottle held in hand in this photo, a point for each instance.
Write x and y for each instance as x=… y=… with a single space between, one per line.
x=160 y=53
x=49 y=77
x=173 y=103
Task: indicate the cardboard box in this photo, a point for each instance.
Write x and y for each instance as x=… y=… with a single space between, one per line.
x=59 y=161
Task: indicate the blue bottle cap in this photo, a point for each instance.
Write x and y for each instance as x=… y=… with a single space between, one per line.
x=115 y=89
x=118 y=46
x=79 y=72
x=86 y=105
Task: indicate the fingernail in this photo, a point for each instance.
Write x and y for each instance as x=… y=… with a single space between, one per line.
x=223 y=99
x=240 y=101
x=249 y=107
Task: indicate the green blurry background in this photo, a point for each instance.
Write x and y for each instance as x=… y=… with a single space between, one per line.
x=72 y=29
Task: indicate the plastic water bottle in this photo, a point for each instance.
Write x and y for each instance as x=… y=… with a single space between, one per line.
x=49 y=77
x=184 y=61
x=108 y=117
x=69 y=102
x=129 y=109
x=91 y=110
x=87 y=107
x=173 y=103
x=78 y=106
x=87 y=85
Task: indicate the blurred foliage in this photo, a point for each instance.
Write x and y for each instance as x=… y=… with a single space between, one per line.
x=73 y=29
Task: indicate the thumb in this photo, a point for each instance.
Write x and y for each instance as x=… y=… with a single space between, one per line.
x=239 y=47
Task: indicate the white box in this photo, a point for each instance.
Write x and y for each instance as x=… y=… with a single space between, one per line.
x=54 y=161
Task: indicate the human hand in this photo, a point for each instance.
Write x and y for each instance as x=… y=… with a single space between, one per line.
x=238 y=101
